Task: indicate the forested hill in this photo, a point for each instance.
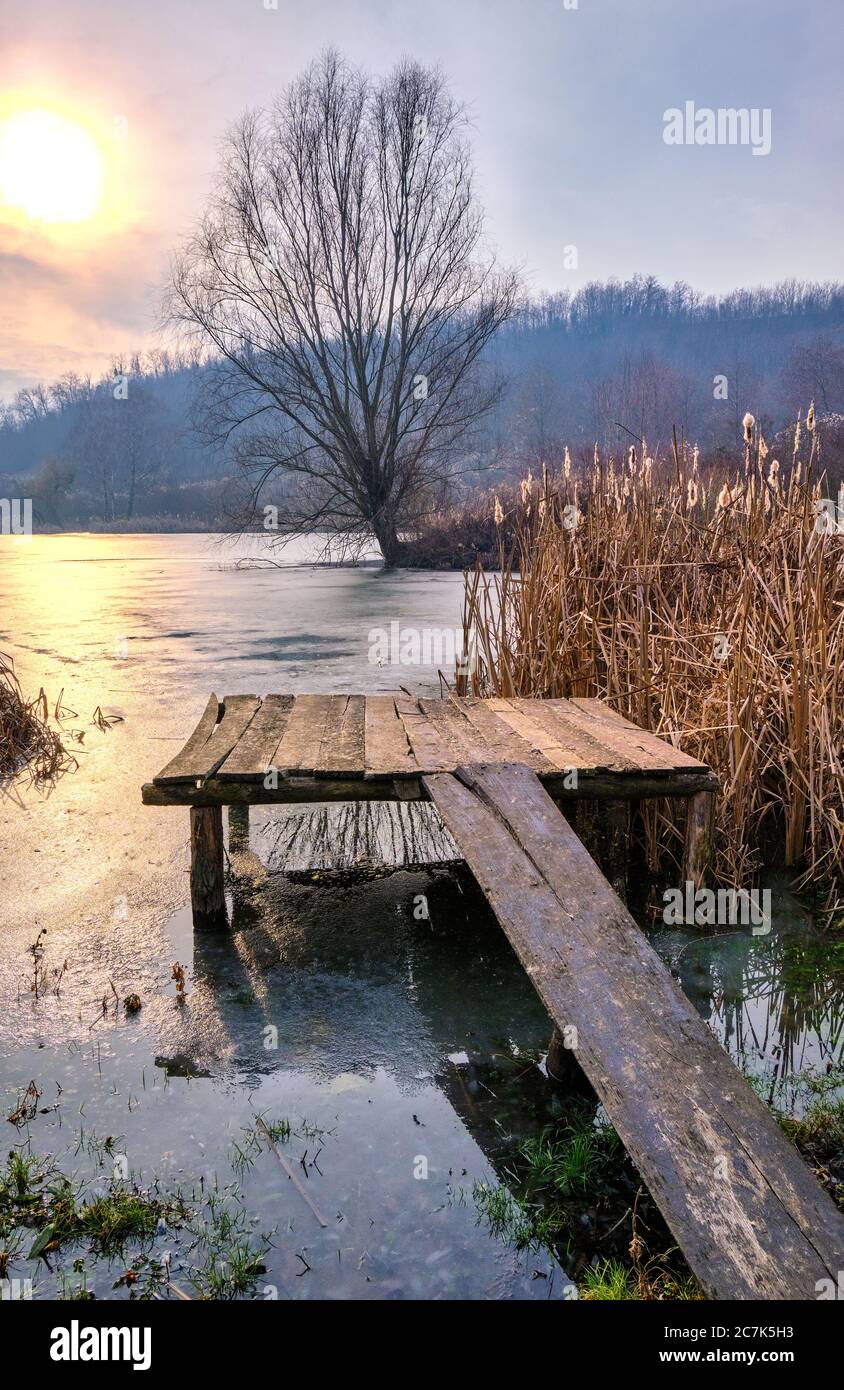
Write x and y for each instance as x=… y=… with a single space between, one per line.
x=612 y=358
x=648 y=357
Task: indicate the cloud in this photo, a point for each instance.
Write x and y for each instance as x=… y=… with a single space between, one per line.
x=23 y=272
x=75 y=308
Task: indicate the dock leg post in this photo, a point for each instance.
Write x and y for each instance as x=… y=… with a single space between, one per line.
x=562 y=1066
x=604 y=827
x=238 y=829
x=614 y=826
x=207 y=893
x=700 y=828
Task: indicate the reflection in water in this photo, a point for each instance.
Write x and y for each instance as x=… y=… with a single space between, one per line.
x=350 y=834
x=776 y=1002
x=334 y=1008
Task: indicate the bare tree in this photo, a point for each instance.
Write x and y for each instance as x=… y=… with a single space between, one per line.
x=815 y=372
x=340 y=280
x=122 y=441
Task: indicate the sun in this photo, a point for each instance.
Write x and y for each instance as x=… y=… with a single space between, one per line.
x=52 y=169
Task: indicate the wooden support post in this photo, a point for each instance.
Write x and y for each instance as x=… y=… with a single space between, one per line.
x=700 y=828
x=604 y=828
x=207 y=895
x=563 y=1068
x=614 y=826
x=238 y=829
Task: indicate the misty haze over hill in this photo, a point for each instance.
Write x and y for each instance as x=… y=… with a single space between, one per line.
x=611 y=361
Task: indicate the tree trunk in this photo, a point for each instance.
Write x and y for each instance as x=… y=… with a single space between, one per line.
x=387 y=538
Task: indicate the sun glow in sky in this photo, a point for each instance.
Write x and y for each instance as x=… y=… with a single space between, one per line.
x=52 y=169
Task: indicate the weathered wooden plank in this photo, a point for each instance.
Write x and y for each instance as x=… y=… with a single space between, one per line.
x=205 y=758
x=507 y=744
x=302 y=739
x=564 y=721
x=465 y=740
x=387 y=751
x=289 y=790
x=255 y=751
x=600 y=710
x=563 y=748
x=530 y=733
x=639 y=746
x=745 y=1209
x=177 y=769
x=590 y=787
x=431 y=751
x=232 y=746
x=597 y=709
x=341 y=751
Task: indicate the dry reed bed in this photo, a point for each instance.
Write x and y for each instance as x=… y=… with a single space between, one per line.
x=28 y=746
x=709 y=611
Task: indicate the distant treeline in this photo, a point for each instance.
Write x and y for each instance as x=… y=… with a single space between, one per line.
x=612 y=362
x=114 y=452
x=633 y=359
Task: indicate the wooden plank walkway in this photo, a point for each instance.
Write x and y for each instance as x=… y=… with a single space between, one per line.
x=741 y=1203
x=747 y=1213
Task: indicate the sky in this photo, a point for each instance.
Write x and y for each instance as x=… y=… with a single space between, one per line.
x=567 y=98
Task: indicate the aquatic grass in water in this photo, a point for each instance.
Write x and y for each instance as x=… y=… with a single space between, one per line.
x=569 y=1160
x=27 y=743
x=229 y=1260
x=35 y=1194
x=614 y=1282
x=574 y=1178
x=552 y=1174
x=516 y=1221
x=819 y=1135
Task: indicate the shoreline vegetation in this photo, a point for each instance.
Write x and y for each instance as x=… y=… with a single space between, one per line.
x=706 y=607
x=29 y=747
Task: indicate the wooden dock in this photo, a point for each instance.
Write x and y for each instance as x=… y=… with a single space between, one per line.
x=377 y=747
x=750 y=1218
